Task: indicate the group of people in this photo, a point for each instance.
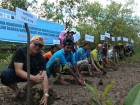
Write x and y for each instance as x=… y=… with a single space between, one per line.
x=66 y=57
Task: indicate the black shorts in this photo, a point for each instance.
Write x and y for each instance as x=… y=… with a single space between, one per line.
x=9 y=77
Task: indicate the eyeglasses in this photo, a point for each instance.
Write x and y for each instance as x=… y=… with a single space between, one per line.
x=39 y=45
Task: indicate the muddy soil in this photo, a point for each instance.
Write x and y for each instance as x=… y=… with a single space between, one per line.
x=125 y=78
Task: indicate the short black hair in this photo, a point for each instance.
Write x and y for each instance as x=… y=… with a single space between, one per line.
x=84 y=43
x=52 y=47
x=105 y=44
x=68 y=42
x=117 y=47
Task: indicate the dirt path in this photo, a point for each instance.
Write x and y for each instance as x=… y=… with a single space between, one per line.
x=126 y=77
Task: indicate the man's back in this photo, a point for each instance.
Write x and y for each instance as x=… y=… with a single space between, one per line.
x=81 y=54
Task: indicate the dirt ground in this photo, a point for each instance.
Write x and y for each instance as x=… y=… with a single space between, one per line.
x=125 y=78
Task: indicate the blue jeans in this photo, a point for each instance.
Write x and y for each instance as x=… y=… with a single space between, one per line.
x=52 y=69
x=9 y=77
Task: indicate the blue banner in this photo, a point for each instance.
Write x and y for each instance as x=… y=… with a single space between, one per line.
x=14 y=31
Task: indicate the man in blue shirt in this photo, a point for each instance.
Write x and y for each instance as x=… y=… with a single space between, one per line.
x=63 y=58
x=82 y=57
x=82 y=52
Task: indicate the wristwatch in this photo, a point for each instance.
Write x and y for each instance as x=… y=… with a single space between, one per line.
x=46 y=94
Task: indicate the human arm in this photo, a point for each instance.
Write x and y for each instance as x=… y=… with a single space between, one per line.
x=94 y=65
x=76 y=69
x=19 y=61
x=23 y=74
x=73 y=65
x=45 y=86
x=116 y=58
x=78 y=76
x=94 y=57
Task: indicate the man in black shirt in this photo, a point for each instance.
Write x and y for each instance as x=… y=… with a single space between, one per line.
x=17 y=70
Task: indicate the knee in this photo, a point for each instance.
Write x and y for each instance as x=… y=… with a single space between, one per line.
x=4 y=78
x=56 y=62
x=7 y=77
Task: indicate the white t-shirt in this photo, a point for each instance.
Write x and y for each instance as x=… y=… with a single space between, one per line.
x=111 y=53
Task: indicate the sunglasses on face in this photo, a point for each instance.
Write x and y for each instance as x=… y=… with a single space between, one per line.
x=39 y=45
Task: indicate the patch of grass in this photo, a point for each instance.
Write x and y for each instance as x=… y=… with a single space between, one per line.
x=4 y=62
x=3 y=55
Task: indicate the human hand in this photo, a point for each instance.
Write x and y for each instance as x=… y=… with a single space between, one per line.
x=43 y=100
x=39 y=78
x=99 y=71
x=80 y=80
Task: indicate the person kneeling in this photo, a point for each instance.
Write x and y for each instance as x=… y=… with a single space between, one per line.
x=17 y=70
x=63 y=58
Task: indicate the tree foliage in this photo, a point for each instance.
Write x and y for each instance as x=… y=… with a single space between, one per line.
x=12 y=4
x=93 y=18
x=88 y=17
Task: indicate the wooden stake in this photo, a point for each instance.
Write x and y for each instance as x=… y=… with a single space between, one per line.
x=28 y=63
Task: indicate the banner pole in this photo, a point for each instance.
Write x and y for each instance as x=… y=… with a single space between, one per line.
x=28 y=63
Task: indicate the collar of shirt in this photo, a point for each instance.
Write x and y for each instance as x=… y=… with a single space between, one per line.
x=65 y=52
x=84 y=49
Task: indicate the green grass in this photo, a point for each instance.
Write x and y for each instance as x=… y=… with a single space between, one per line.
x=3 y=55
x=4 y=62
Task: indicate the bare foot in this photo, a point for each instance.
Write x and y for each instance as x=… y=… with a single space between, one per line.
x=80 y=81
x=62 y=82
x=15 y=94
x=91 y=73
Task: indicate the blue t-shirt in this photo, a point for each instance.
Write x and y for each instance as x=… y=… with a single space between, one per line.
x=63 y=57
x=81 y=54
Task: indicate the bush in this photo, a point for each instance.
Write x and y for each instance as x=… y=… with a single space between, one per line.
x=4 y=62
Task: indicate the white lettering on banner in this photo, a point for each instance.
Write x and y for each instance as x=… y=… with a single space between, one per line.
x=56 y=41
x=113 y=38
x=1 y=15
x=6 y=16
x=76 y=36
x=25 y=16
x=107 y=35
x=89 y=38
x=102 y=37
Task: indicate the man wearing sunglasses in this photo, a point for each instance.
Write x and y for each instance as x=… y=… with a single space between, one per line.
x=17 y=69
